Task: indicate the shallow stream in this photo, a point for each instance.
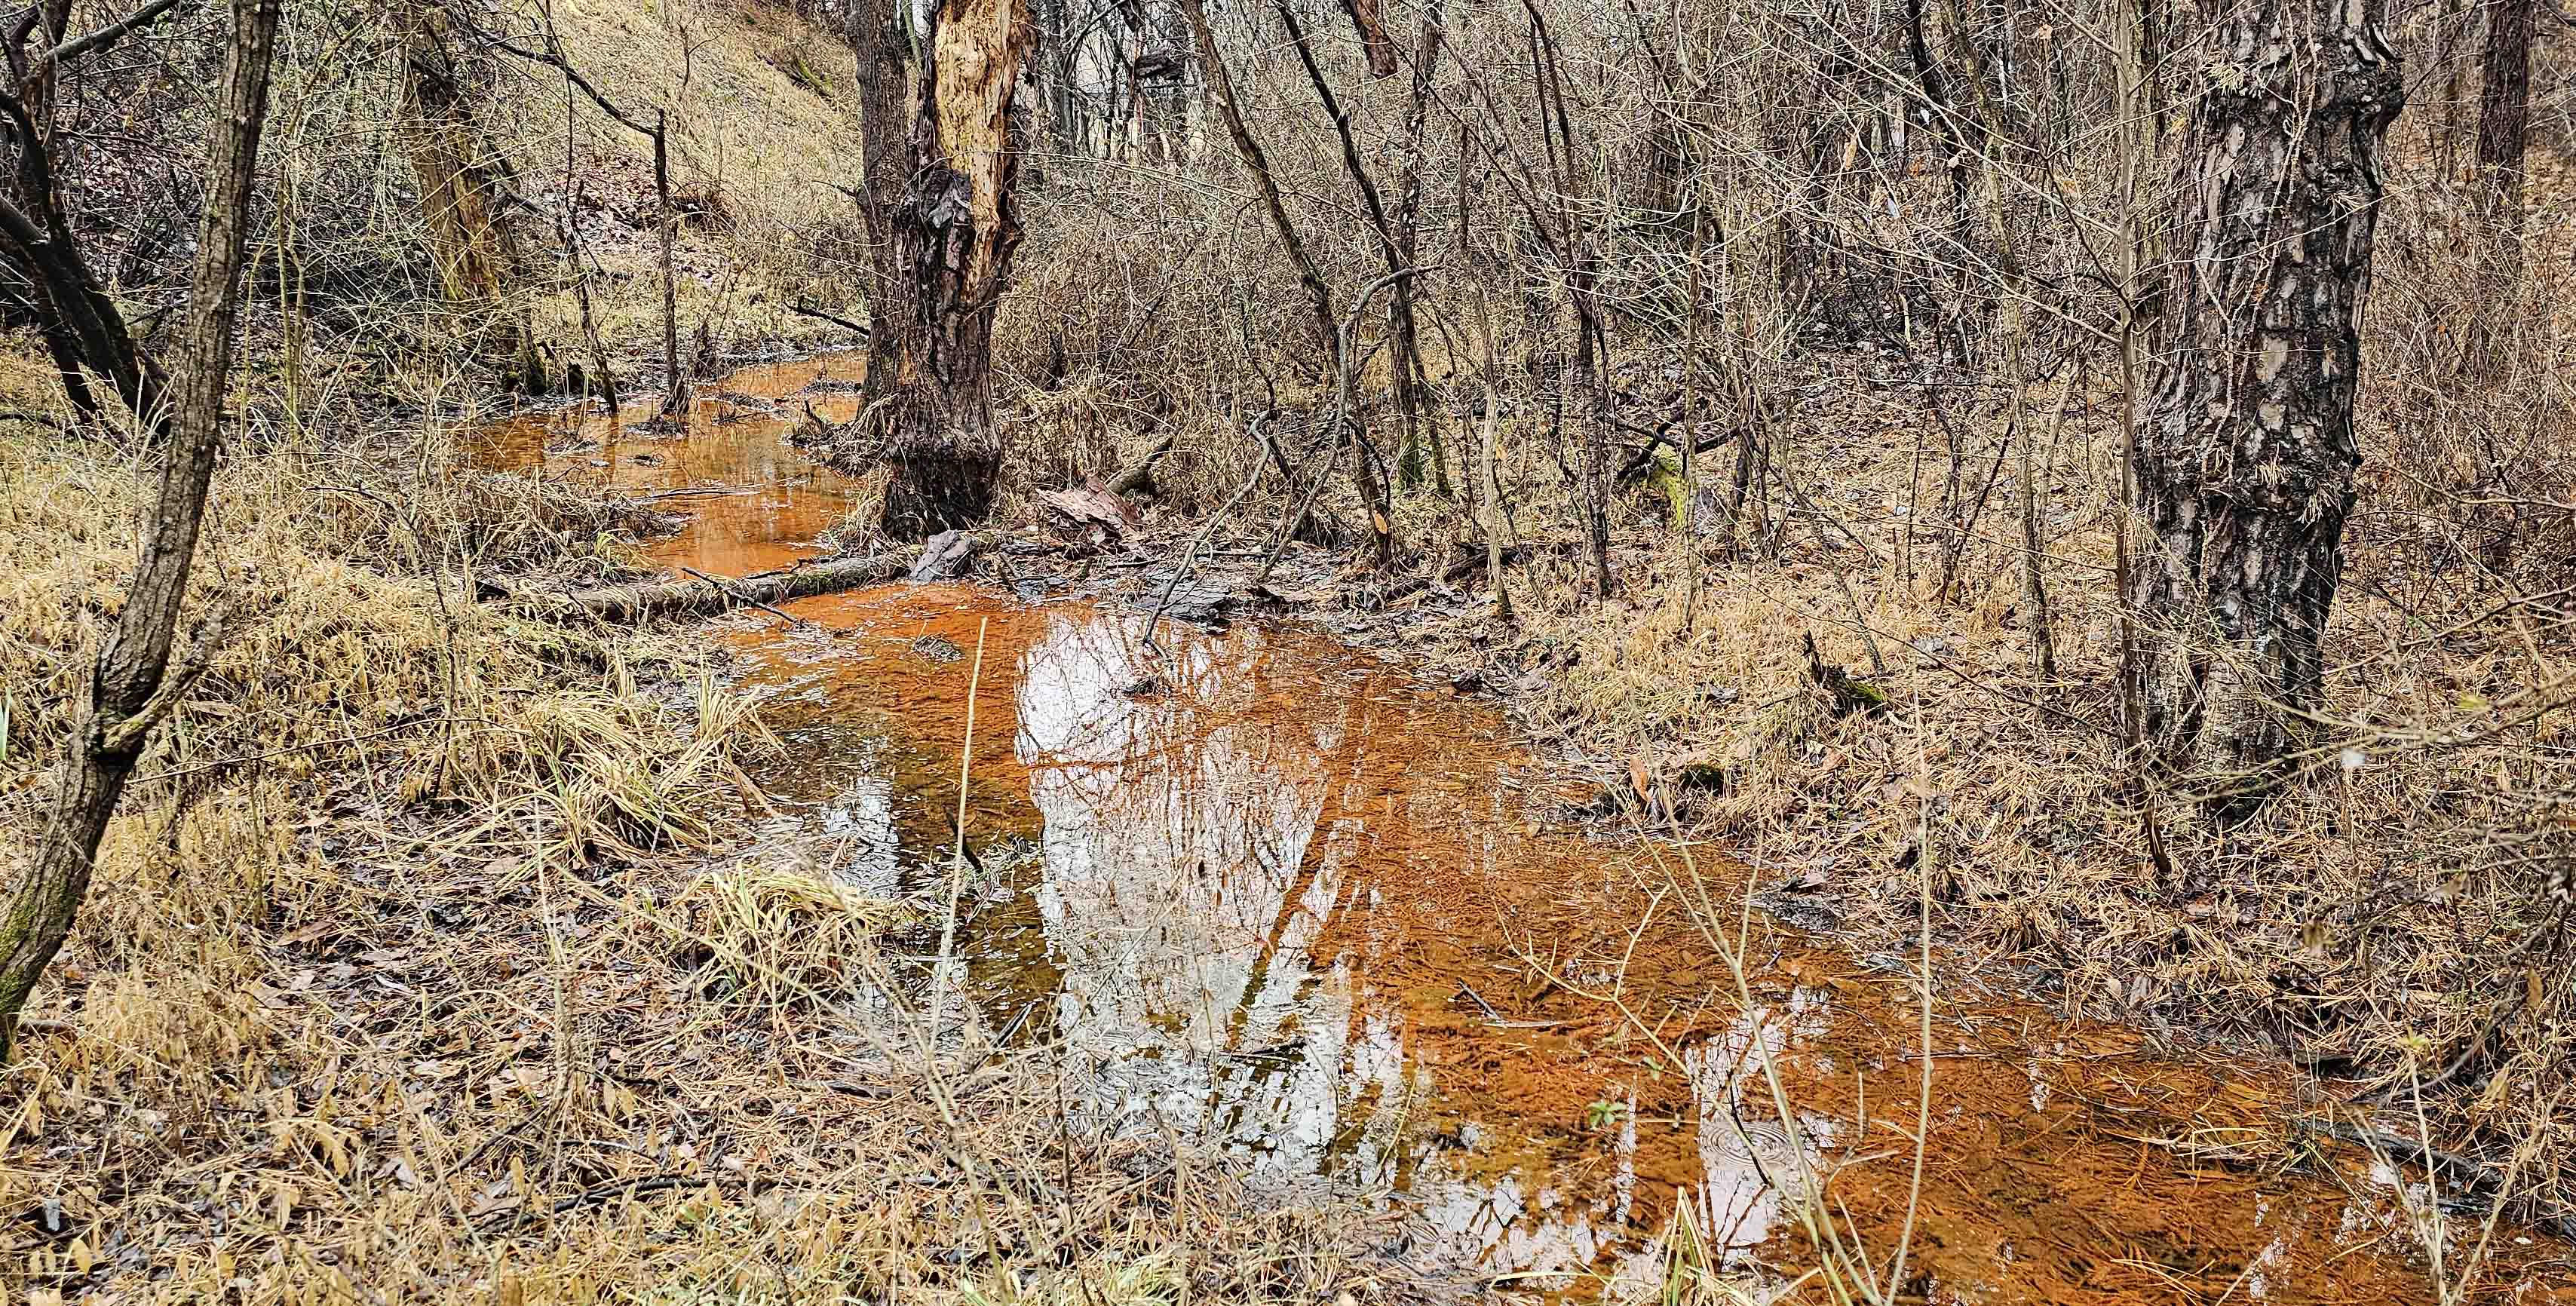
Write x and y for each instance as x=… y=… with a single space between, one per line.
x=1284 y=896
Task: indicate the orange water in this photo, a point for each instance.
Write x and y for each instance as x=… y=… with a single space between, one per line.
x=1282 y=897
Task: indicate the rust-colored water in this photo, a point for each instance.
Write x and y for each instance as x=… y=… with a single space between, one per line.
x=746 y=501
x=1279 y=895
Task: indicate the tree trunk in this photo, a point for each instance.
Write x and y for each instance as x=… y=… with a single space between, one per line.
x=1371 y=22
x=2245 y=453
x=2504 y=118
x=675 y=398
x=81 y=325
x=132 y=686
x=1412 y=381
x=943 y=224
x=461 y=185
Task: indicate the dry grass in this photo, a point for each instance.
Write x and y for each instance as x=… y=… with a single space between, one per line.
x=420 y=966
x=2396 y=920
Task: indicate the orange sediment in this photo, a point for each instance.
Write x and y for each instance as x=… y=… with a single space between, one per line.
x=1284 y=895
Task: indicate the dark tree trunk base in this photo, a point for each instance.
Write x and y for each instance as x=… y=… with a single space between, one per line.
x=938 y=491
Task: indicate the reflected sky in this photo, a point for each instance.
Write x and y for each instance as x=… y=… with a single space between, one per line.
x=1283 y=900
x=1276 y=896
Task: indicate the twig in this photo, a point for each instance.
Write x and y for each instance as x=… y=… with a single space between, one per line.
x=1190 y=554
x=597 y=1194
x=957 y=864
x=808 y=310
x=103 y=37
x=723 y=584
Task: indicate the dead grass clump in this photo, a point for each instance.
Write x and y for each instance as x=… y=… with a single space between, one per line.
x=510 y=522
x=776 y=938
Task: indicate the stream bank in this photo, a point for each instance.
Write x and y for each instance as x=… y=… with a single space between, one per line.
x=1310 y=908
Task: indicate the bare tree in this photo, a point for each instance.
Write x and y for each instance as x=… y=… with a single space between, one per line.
x=2245 y=450
x=82 y=328
x=676 y=396
x=463 y=182
x=935 y=136
x=134 y=685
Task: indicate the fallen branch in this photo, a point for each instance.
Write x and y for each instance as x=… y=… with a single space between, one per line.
x=699 y=598
x=771 y=608
x=1642 y=459
x=807 y=310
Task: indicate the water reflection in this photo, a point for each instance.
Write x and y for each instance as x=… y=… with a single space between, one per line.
x=1208 y=826
x=1286 y=902
x=1283 y=901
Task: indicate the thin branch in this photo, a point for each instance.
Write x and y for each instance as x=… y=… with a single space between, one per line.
x=104 y=38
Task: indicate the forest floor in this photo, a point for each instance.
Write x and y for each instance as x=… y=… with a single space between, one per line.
x=399 y=967
x=394 y=980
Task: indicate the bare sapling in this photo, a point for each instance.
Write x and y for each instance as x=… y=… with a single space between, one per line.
x=134 y=684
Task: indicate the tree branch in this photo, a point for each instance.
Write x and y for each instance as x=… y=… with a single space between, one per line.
x=103 y=39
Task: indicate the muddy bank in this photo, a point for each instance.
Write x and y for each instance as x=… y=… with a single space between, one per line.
x=1312 y=907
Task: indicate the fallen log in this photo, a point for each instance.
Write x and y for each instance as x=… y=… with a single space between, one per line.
x=699 y=598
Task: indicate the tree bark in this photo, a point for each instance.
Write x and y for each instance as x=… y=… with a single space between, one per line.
x=2504 y=117
x=462 y=186
x=943 y=223
x=2245 y=453
x=1370 y=19
x=1412 y=382
x=131 y=686
x=675 y=398
x=699 y=598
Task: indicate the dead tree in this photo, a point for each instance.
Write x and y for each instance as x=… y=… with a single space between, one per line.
x=2245 y=453
x=133 y=684
x=463 y=183
x=943 y=223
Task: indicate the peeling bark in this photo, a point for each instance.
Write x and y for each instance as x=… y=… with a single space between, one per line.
x=943 y=224
x=1370 y=18
x=2245 y=453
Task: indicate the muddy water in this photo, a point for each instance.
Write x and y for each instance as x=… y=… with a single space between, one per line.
x=1276 y=894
